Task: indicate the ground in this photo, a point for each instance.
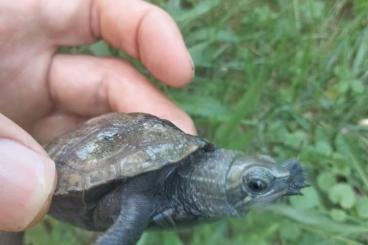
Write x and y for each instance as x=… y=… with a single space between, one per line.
x=287 y=78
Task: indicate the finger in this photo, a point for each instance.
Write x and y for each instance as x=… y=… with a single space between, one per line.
x=55 y=124
x=27 y=178
x=89 y=86
x=148 y=33
x=141 y=29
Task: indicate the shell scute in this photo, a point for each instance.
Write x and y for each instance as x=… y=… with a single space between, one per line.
x=117 y=146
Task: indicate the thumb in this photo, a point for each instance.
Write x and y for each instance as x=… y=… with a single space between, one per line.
x=27 y=177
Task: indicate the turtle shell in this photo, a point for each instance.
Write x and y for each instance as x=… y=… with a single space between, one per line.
x=117 y=146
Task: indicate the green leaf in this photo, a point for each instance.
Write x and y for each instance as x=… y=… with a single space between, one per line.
x=338 y=215
x=358 y=86
x=317 y=219
x=326 y=180
x=362 y=207
x=296 y=139
x=323 y=147
x=206 y=107
x=201 y=8
x=309 y=199
x=290 y=232
x=51 y=231
x=245 y=106
x=342 y=194
x=100 y=49
x=172 y=238
x=347 y=146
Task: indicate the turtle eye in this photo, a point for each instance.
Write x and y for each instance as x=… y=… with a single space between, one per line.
x=257 y=185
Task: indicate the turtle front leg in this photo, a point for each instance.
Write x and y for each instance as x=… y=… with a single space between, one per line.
x=11 y=238
x=135 y=213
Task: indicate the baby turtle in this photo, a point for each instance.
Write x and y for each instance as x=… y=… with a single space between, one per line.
x=121 y=173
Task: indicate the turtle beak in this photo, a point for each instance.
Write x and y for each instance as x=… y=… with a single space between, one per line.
x=296 y=180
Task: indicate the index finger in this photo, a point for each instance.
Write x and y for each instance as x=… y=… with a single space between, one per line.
x=143 y=30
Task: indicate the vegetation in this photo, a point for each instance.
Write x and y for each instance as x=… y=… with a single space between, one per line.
x=287 y=78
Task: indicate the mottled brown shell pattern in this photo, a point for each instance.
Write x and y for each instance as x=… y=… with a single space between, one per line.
x=117 y=146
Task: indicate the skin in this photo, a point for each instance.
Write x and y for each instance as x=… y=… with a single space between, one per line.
x=43 y=94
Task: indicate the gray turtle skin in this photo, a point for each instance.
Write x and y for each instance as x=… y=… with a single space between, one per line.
x=121 y=173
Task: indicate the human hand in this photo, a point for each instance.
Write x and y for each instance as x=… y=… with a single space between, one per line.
x=47 y=93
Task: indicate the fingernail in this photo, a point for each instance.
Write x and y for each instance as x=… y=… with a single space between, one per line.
x=182 y=121
x=27 y=181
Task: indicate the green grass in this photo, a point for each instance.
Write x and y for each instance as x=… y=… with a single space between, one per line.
x=287 y=78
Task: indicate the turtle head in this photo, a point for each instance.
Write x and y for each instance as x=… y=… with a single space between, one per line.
x=256 y=181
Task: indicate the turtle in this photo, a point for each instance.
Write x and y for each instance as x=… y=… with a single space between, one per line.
x=120 y=173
